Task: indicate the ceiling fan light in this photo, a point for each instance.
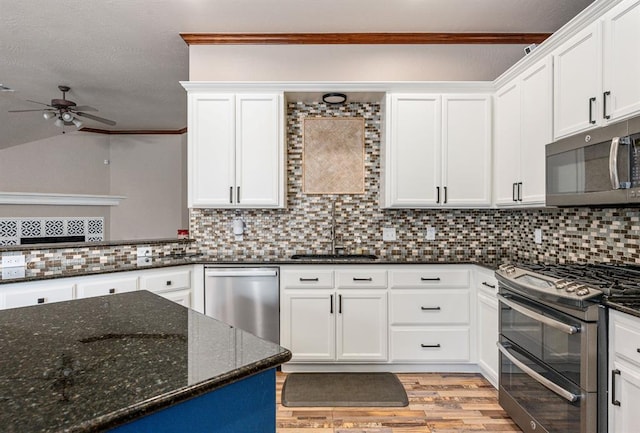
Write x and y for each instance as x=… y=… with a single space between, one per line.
x=48 y=115
x=77 y=122
x=59 y=122
x=67 y=116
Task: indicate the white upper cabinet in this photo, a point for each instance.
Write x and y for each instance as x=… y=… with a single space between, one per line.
x=621 y=82
x=523 y=127
x=412 y=151
x=236 y=150
x=577 y=82
x=437 y=151
x=596 y=72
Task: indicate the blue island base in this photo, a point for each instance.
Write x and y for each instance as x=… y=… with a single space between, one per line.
x=245 y=406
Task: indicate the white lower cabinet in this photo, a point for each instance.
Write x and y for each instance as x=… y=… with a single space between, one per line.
x=396 y=317
x=101 y=285
x=487 y=328
x=624 y=369
x=41 y=292
x=170 y=283
x=335 y=324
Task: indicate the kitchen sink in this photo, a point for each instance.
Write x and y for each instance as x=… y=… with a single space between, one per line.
x=334 y=257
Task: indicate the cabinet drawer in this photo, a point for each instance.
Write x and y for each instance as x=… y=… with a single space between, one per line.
x=426 y=345
x=420 y=279
x=626 y=336
x=485 y=281
x=27 y=297
x=429 y=308
x=364 y=278
x=316 y=279
x=107 y=287
x=166 y=281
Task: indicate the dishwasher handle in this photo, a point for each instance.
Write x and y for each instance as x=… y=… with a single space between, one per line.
x=241 y=272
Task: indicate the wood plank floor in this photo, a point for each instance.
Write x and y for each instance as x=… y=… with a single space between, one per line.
x=438 y=403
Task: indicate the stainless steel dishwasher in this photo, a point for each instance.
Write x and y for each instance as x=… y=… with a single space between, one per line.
x=247 y=298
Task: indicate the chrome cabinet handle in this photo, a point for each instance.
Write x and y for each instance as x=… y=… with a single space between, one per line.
x=614 y=373
x=331 y=304
x=492 y=286
x=230 y=194
x=430 y=308
x=567 y=329
x=591 y=101
x=430 y=345
x=604 y=104
x=613 y=163
x=362 y=279
x=567 y=395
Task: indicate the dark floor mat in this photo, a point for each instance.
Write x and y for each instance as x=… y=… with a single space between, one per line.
x=343 y=389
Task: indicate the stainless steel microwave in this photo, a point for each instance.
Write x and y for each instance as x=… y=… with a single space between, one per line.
x=596 y=168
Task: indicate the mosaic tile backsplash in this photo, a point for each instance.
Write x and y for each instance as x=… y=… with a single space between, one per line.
x=488 y=236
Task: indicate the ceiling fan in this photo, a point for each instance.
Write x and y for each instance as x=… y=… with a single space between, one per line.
x=66 y=112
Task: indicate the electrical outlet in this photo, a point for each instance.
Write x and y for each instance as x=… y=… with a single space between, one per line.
x=431 y=233
x=144 y=261
x=537 y=236
x=9 y=273
x=13 y=261
x=144 y=252
x=388 y=234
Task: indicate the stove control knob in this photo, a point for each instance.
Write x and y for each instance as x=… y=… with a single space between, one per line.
x=560 y=284
x=582 y=292
x=572 y=288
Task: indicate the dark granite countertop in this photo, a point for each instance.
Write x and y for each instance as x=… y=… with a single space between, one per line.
x=92 y=364
x=629 y=305
x=198 y=259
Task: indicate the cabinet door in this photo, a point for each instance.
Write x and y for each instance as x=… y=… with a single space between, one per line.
x=362 y=326
x=507 y=144
x=308 y=324
x=487 y=336
x=259 y=150
x=211 y=148
x=577 y=83
x=621 y=66
x=182 y=297
x=625 y=417
x=466 y=150
x=536 y=130
x=412 y=166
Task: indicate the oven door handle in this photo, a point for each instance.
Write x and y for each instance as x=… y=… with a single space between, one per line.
x=567 y=329
x=567 y=395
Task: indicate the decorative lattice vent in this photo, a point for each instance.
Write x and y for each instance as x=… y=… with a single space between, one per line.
x=12 y=230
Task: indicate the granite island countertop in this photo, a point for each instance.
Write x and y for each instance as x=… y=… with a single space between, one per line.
x=92 y=364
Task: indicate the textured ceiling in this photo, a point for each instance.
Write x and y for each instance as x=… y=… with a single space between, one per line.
x=125 y=57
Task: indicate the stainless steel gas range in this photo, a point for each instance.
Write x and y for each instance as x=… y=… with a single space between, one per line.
x=553 y=343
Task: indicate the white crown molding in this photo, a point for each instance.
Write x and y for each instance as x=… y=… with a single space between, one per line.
x=590 y=14
x=34 y=198
x=339 y=86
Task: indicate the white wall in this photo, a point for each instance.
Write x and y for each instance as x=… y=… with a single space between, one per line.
x=351 y=62
x=151 y=171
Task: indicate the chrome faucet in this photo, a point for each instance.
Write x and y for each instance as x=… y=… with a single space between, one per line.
x=335 y=248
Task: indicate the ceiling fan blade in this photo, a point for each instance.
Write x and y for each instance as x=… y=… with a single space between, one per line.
x=96 y=118
x=24 y=111
x=83 y=108
x=36 y=102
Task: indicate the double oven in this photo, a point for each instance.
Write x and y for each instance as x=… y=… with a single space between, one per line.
x=551 y=330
